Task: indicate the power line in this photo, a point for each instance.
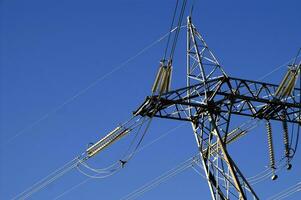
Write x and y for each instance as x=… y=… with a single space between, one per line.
x=171 y=26
x=278 y=68
x=160 y=179
x=72 y=188
x=189 y=163
x=45 y=178
x=84 y=90
x=287 y=192
x=75 y=163
x=178 y=30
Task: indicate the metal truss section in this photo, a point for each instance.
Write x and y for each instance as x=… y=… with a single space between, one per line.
x=203 y=65
x=225 y=95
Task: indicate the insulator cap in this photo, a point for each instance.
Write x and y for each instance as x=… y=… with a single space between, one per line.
x=289 y=166
x=274 y=177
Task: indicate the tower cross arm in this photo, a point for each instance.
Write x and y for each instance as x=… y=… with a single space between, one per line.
x=237 y=96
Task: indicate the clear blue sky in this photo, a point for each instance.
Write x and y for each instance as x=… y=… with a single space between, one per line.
x=49 y=50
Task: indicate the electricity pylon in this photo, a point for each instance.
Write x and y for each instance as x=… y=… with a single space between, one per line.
x=209 y=101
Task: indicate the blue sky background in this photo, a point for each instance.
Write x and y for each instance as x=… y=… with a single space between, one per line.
x=50 y=50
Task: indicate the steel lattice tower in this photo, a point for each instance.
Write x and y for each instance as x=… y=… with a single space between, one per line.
x=209 y=101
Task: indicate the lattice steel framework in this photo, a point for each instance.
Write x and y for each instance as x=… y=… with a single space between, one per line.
x=209 y=101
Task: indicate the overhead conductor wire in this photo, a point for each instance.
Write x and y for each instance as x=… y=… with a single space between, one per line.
x=160 y=179
x=139 y=150
x=88 y=87
x=287 y=192
x=47 y=180
x=59 y=172
x=171 y=27
x=73 y=98
x=178 y=29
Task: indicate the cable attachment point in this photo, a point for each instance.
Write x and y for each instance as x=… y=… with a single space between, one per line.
x=123 y=163
x=289 y=166
x=274 y=177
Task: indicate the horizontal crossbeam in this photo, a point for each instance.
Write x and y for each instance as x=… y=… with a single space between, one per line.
x=226 y=95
